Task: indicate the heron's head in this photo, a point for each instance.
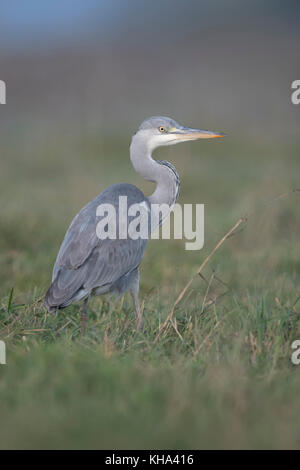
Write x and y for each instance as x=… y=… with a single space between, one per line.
x=159 y=130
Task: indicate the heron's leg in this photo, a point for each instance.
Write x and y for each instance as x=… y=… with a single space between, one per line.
x=84 y=315
x=134 y=290
x=137 y=311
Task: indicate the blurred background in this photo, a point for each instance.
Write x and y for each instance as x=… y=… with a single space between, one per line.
x=81 y=75
x=99 y=66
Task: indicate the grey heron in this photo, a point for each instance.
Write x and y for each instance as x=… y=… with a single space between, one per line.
x=87 y=265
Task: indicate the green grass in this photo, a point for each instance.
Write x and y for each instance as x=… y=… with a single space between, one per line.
x=220 y=374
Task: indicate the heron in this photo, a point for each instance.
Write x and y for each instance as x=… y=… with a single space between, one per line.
x=87 y=265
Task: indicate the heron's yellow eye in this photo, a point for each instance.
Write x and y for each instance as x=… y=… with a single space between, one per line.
x=162 y=129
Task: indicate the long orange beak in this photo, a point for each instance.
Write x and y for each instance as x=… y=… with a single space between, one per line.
x=187 y=133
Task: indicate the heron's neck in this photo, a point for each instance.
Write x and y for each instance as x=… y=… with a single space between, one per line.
x=166 y=179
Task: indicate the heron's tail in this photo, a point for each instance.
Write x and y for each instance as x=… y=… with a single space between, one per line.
x=61 y=294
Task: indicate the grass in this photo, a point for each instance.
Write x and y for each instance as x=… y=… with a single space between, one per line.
x=219 y=375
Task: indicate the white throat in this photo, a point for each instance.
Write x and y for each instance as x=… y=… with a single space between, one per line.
x=163 y=174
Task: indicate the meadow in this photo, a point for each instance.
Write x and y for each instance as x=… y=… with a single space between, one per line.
x=218 y=373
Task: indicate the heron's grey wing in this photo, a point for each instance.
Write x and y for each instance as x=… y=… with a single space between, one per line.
x=107 y=263
x=80 y=239
x=84 y=261
x=112 y=260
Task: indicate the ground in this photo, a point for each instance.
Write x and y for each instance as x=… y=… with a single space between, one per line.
x=219 y=375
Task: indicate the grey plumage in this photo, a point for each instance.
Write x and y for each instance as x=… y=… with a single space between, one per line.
x=87 y=265
x=176 y=176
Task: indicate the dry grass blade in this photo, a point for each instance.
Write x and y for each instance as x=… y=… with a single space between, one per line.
x=64 y=326
x=169 y=317
x=207 y=337
x=221 y=282
x=207 y=291
x=213 y=301
x=296 y=301
x=10 y=299
x=174 y=324
x=227 y=235
x=204 y=278
x=182 y=293
x=233 y=231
